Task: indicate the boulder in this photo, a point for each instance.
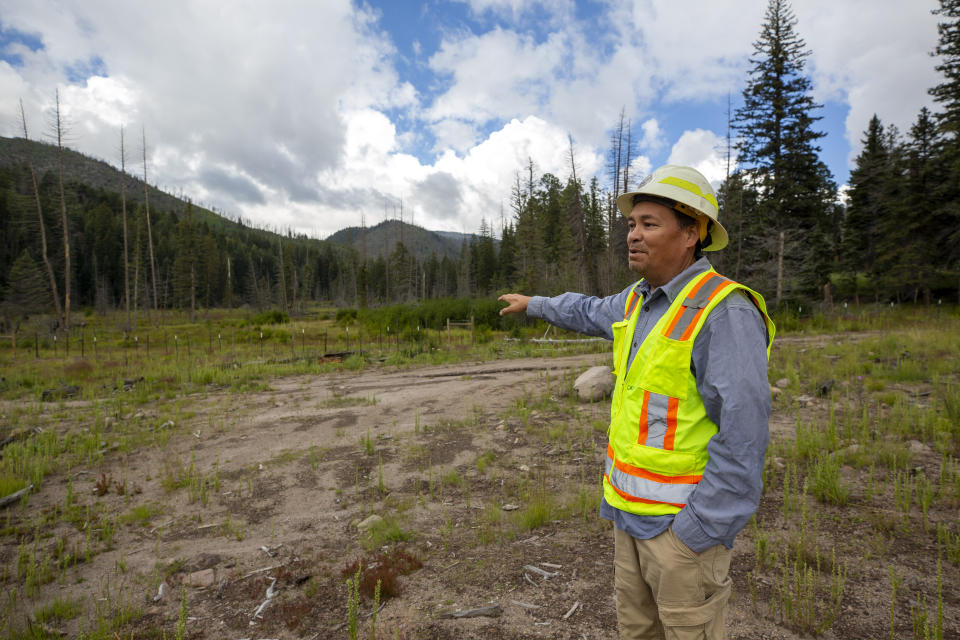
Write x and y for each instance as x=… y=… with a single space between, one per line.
x=201 y=579
x=369 y=522
x=596 y=383
x=917 y=447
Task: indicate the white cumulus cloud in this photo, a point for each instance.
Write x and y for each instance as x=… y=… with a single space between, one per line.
x=700 y=149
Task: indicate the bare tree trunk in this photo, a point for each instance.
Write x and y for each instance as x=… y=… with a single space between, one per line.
x=616 y=157
x=146 y=207
x=780 y=270
x=43 y=228
x=283 y=280
x=628 y=158
x=736 y=272
x=63 y=215
x=193 y=292
x=136 y=276
x=123 y=207
x=229 y=285
x=293 y=302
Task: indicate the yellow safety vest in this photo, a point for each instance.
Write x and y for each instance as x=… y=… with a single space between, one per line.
x=659 y=428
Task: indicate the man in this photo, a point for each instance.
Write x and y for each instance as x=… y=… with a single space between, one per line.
x=689 y=414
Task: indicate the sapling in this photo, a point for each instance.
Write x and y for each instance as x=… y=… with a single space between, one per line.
x=895 y=582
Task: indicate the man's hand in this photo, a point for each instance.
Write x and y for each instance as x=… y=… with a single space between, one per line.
x=516 y=303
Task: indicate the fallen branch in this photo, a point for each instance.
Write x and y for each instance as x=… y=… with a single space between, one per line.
x=161 y=526
x=14 y=497
x=253 y=573
x=524 y=605
x=18 y=435
x=263 y=605
x=492 y=611
x=540 y=572
x=573 y=609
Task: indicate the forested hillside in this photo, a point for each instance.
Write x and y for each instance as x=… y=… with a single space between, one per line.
x=382 y=239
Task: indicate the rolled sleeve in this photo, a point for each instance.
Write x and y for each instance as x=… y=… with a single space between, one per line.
x=731 y=364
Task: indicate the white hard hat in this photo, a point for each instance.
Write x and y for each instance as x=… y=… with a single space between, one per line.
x=687 y=192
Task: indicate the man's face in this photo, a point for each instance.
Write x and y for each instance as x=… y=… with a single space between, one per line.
x=658 y=247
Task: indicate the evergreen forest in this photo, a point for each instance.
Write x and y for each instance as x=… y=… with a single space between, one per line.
x=76 y=233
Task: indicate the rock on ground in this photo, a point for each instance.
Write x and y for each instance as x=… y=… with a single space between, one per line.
x=596 y=383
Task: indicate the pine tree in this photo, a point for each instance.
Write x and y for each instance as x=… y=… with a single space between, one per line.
x=28 y=291
x=947 y=95
x=912 y=246
x=868 y=205
x=777 y=147
x=186 y=262
x=737 y=198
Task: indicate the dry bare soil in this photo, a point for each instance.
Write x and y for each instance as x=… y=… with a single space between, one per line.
x=267 y=488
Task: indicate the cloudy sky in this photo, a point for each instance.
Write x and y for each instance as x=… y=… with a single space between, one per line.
x=307 y=114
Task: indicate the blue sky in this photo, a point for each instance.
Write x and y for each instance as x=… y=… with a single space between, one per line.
x=314 y=115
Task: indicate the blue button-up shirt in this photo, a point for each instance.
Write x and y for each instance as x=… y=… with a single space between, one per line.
x=730 y=366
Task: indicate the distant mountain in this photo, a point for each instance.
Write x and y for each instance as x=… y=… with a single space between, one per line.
x=77 y=167
x=382 y=239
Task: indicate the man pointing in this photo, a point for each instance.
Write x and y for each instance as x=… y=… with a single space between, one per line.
x=689 y=416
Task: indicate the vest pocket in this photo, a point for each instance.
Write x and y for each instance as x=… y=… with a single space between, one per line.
x=667 y=366
x=660 y=461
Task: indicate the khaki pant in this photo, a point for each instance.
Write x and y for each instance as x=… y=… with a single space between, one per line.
x=667 y=591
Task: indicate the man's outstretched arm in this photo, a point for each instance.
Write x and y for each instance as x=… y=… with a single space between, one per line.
x=574 y=311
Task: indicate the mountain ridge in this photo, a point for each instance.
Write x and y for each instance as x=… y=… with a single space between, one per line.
x=381 y=239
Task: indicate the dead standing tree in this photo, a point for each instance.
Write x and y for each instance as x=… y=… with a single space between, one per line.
x=123 y=208
x=619 y=159
x=43 y=228
x=146 y=208
x=59 y=131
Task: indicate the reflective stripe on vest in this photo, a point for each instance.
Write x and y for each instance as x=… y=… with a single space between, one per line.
x=632 y=301
x=631 y=483
x=681 y=326
x=658 y=420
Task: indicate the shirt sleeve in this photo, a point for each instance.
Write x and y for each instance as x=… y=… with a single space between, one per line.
x=730 y=364
x=584 y=314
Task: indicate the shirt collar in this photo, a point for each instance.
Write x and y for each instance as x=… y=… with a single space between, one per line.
x=679 y=281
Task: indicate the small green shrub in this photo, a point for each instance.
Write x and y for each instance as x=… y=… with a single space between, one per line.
x=274 y=316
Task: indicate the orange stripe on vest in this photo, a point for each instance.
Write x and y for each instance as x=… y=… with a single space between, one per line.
x=673 y=405
x=649 y=475
x=644 y=424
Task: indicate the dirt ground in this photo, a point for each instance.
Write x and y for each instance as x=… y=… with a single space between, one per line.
x=297 y=467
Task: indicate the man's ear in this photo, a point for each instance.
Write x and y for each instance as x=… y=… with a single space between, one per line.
x=691 y=233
